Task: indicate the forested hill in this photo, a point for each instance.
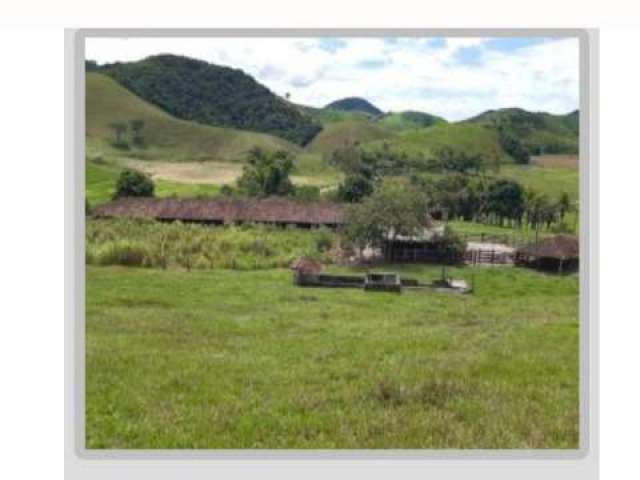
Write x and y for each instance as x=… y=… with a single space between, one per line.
x=354 y=104
x=540 y=132
x=212 y=95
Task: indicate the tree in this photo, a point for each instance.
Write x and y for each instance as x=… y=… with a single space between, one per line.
x=459 y=161
x=132 y=183
x=564 y=204
x=136 y=127
x=119 y=130
x=354 y=188
x=267 y=173
x=513 y=146
x=394 y=209
x=506 y=200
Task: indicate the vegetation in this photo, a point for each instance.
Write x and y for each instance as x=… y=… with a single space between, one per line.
x=395 y=209
x=354 y=104
x=355 y=188
x=409 y=120
x=165 y=137
x=345 y=133
x=267 y=174
x=132 y=183
x=538 y=132
x=147 y=243
x=212 y=95
x=228 y=359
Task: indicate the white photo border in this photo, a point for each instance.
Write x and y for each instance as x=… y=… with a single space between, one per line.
x=162 y=464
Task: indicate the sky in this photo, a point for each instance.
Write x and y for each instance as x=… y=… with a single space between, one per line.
x=455 y=78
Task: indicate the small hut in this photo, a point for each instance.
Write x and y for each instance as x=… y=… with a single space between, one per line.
x=306 y=265
x=560 y=253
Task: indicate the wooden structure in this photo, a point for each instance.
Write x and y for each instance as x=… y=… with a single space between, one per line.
x=560 y=253
x=279 y=211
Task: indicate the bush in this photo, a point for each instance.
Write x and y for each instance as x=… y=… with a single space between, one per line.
x=355 y=188
x=120 y=252
x=132 y=183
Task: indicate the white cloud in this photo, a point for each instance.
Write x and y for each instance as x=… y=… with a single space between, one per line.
x=417 y=74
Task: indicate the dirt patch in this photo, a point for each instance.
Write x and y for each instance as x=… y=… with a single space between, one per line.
x=217 y=173
x=555 y=161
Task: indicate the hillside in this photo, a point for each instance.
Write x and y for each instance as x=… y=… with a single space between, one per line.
x=347 y=132
x=213 y=95
x=409 y=120
x=540 y=132
x=354 y=104
x=165 y=137
x=470 y=138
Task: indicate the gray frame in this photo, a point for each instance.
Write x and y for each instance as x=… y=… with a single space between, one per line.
x=79 y=459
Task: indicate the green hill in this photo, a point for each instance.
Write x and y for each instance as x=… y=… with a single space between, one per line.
x=165 y=137
x=347 y=132
x=213 y=95
x=324 y=116
x=469 y=138
x=354 y=104
x=540 y=132
x=409 y=120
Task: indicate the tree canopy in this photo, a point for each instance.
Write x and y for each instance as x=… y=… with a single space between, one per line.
x=267 y=173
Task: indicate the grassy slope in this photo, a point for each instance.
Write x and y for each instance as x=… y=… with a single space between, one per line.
x=473 y=139
x=338 y=134
x=228 y=359
x=168 y=138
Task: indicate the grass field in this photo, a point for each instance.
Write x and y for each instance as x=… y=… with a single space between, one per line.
x=552 y=181
x=228 y=359
x=100 y=181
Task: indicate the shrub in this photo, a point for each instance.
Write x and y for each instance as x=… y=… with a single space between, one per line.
x=132 y=183
x=121 y=252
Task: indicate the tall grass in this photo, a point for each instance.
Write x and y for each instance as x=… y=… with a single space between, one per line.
x=147 y=243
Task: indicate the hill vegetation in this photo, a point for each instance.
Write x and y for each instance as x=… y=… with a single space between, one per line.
x=347 y=132
x=409 y=120
x=164 y=136
x=539 y=132
x=213 y=95
x=354 y=104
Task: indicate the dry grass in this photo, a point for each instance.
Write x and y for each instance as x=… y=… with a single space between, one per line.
x=555 y=161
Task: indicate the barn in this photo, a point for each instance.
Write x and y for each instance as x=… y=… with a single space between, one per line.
x=278 y=211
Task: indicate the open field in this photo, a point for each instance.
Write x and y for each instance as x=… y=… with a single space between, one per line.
x=552 y=181
x=228 y=359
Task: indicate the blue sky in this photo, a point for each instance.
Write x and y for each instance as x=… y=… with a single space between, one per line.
x=455 y=77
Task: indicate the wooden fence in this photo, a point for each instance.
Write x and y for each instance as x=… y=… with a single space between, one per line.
x=488 y=257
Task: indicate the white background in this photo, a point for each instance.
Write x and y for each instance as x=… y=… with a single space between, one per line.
x=32 y=192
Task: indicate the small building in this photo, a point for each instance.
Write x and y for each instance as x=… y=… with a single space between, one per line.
x=560 y=253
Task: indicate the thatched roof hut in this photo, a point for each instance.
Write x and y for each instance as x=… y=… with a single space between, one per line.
x=559 y=253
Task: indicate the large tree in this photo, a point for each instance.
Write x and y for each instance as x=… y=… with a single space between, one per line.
x=396 y=208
